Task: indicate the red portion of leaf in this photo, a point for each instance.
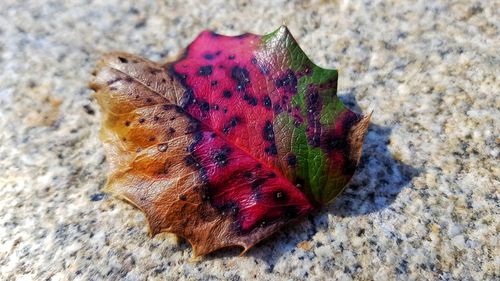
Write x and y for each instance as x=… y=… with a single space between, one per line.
x=228 y=91
x=239 y=186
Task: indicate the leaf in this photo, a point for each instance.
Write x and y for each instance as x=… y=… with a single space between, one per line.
x=225 y=145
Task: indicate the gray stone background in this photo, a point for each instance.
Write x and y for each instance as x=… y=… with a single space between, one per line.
x=422 y=206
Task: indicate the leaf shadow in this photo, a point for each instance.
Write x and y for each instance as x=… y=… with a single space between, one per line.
x=379 y=177
x=378 y=180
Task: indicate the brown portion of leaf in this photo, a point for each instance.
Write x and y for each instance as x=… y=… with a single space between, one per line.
x=356 y=136
x=141 y=83
x=145 y=138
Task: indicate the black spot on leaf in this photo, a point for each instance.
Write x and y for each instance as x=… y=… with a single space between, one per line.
x=277 y=108
x=191 y=161
x=208 y=56
x=193 y=126
x=291 y=212
x=248 y=175
x=251 y=100
x=314 y=105
x=280 y=196
x=233 y=122
x=112 y=81
x=154 y=71
x=315 y=141
x=258 y=182
x=167 y=106
x=268 y=132
x=187 y=99
x=292 y=160
x=266 y=101
x=241 y=76
x=221 y=157
x=271 y=150
x=205 y=70
x=335 y=143
x=288 y=81
x=204 y=106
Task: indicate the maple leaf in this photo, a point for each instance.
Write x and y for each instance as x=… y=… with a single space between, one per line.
x=226 y=144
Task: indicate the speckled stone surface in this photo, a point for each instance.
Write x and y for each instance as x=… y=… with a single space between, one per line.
x=423 y=205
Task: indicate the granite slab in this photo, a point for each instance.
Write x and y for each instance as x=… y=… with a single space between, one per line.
x=423 y=205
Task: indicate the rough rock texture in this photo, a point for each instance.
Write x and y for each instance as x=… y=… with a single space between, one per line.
x=423 y=204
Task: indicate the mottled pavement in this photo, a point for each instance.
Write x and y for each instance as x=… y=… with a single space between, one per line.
x=422 y=206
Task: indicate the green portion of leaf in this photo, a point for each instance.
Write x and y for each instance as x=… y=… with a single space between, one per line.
x=322 y=182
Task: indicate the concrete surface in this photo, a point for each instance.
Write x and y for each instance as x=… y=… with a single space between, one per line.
x=423 y=205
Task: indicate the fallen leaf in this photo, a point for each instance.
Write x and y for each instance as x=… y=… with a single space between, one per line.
x=234 y=139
